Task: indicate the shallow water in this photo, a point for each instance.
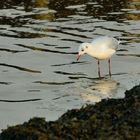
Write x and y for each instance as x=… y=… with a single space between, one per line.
x=38 y=45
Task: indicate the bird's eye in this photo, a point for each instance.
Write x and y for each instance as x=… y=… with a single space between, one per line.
x=82 y=50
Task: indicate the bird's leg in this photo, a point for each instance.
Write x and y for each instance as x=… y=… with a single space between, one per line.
x=109 y=67
x=99 y=68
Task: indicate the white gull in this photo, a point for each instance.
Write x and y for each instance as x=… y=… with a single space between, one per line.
x=100 y=48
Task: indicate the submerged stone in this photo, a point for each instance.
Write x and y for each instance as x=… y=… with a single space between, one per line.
x=112 y=119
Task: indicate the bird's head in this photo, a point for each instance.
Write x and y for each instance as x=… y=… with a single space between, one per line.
x=83 y=49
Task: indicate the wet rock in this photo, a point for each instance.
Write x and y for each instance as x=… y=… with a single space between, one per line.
x=112 y=119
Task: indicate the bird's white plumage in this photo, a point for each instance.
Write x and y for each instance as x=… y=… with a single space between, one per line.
x=100 y=48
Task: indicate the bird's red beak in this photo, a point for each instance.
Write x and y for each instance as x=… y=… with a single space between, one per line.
x=78 y=56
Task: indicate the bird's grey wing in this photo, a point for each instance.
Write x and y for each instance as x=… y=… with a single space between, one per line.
x=106 y=41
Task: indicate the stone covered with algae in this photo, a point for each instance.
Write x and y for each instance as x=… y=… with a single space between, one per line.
x=112 y=119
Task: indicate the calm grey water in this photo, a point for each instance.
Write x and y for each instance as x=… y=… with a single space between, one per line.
x=39 y=39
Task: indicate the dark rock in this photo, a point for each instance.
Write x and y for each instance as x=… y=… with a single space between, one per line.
x=112 y=119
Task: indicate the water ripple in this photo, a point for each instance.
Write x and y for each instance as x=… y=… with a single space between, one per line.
x=5 y=83
x=22 y=34
x=12 y=51
x=67 y=73
x=44 y=50
x=54 y=83
x=82 y=62
x=20 y=68
x=69 y=33
x=134 y=55
x=84 y=77
x=17 y=101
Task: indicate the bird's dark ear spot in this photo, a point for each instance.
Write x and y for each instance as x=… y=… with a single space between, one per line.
x=86 y=46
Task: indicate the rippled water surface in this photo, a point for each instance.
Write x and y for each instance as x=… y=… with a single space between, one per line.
x=39 y=40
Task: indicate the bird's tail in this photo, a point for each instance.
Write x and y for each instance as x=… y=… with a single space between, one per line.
x=119 y=41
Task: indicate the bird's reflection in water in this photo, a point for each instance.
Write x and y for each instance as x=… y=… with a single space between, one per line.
x=100 y=89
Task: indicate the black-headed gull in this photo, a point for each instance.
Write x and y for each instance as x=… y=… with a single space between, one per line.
x=100 y=48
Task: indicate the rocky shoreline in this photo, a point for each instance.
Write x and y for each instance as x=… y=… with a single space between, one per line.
x=112 y=119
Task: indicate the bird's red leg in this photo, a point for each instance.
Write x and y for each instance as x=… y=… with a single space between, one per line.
x=109 y=67
x=99 y=68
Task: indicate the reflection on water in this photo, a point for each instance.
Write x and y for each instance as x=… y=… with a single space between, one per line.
x=27 y=13
x=105 y=86
x=133 y=4
x=95 y=8
x=39 y=40
x=100 y=88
